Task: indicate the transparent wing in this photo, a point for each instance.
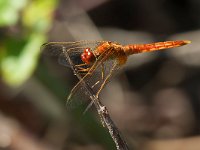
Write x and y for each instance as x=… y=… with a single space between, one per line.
x=74 y=50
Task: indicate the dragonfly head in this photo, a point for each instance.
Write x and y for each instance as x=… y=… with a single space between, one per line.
x=87 y=56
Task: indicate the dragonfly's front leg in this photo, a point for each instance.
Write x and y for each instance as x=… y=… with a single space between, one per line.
x=102 y=76
x=88 y=72
x=82 y=68
x=107 y=78
x=98 y=62
x=102 y=71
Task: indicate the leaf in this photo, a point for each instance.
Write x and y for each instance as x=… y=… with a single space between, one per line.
x=9 y=11
x=18 y=65
x=38 y=15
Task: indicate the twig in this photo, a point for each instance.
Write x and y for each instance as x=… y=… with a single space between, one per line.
x=102 y=111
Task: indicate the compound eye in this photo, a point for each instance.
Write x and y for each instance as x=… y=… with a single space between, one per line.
x=87 y=56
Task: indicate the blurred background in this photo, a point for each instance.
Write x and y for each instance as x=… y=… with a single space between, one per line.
x=154 y=100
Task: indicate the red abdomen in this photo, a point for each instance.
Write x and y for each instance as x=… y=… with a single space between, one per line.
x=140 y=48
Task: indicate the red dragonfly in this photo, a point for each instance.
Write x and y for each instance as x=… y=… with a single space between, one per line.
x=96 y=61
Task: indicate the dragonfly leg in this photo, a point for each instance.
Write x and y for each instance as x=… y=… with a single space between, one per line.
x=84 y=70
x=98 y=62
x=90 y=71
x=80 y=65
x=95 y=84
x=102 y=71
x=106 y=79
x=102 y=76
x=74 y=89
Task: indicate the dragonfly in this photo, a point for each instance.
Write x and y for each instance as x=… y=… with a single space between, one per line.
x=97 y=61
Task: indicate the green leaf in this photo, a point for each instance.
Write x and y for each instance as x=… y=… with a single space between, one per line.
x=21 y=59
x=9 y=11
x=38 y=15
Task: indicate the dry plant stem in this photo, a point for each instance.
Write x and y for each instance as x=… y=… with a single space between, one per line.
x=102 y=111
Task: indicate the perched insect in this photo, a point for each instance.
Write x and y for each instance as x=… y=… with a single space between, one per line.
x=96 y=61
